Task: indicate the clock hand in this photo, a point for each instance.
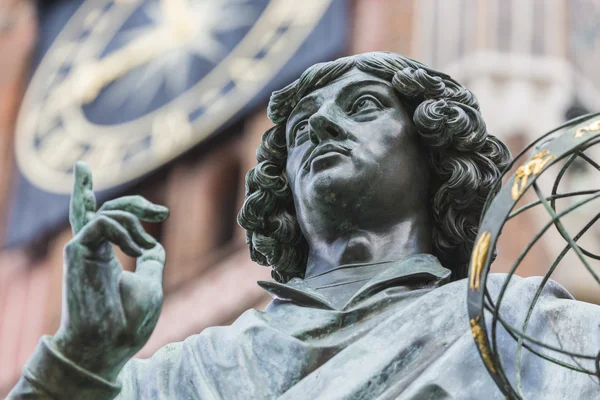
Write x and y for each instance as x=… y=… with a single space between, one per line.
x=94 y=77
x=175 y=29
x=88 y=80
x=175 y=11
x=178 y=16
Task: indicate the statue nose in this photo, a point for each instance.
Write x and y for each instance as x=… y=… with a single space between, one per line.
x=323 y=128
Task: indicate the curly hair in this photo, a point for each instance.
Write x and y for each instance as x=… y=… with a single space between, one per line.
x=465 y=162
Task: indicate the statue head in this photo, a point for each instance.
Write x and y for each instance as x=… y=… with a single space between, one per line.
x=375 y=131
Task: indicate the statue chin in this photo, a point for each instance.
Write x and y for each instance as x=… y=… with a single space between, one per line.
x=334 y=183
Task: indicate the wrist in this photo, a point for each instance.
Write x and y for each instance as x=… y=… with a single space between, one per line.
x=50 y=371
x=93 y=358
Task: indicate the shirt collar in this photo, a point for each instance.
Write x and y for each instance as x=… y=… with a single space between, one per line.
x=417 y=270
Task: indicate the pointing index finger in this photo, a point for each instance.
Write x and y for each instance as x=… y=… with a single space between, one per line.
x=83 y=175
x=83 y=200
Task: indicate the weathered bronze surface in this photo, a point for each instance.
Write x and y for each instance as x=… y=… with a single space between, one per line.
x=365 y=202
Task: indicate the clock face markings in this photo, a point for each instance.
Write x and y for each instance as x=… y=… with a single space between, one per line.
x=125 y=93
x=62 y=52
x=92 y=18
x=102 y=25
x=304 y=15
x=126 y=2
x=248 y=69
x=33 y=117
x=209 y=96
x=58 y=151
x=107 y=154
x=283 y=13
x=45 y=121
x=171 y=131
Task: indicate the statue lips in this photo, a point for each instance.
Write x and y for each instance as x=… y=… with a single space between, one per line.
x=320 y=157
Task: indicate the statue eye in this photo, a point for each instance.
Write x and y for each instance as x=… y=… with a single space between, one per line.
x=301 y=127
x=299 y=132
x=365 y=103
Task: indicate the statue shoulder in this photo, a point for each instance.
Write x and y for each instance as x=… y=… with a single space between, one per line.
x=526 y=287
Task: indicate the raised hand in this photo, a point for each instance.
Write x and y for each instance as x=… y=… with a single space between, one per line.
x=108 y=314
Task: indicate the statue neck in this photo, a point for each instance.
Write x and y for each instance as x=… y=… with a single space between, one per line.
x=357 y=246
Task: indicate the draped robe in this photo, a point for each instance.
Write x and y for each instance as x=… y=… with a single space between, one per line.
x=404 y=334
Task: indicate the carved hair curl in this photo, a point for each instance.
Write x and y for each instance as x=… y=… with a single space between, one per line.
x=465 y=161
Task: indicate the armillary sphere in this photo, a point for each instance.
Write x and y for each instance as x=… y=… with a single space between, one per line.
x=520 y=190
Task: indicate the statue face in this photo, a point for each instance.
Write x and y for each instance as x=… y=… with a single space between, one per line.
x=352 y=144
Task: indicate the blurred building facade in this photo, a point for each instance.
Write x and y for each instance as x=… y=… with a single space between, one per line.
x=528 y=61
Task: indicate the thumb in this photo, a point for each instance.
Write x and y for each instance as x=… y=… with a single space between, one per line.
x=151 y=263
x=142 y=302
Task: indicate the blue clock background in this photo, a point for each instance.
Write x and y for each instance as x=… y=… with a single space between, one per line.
x=113 y=109
x=36 y=214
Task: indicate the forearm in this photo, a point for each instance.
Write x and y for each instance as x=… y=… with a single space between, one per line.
x=49 y=375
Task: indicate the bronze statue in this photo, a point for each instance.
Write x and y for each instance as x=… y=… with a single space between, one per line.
x=365 y=202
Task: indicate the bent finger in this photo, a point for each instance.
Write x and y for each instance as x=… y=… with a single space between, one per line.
x=133 y=226
x=102 y=229
x=138 y=206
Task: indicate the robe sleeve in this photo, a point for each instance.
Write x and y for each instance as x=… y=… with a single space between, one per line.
x=49 y=375
x=220 y=362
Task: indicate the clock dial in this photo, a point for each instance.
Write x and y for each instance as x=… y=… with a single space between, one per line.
x=128 y=85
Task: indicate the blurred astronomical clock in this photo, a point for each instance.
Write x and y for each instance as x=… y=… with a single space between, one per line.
x=128 y=85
